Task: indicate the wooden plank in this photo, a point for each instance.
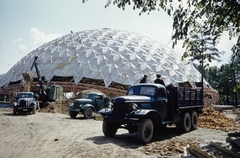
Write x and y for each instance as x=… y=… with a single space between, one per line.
x=225 y=150
x=201 y=152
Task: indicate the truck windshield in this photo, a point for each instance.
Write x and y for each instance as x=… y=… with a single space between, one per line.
x=142 y=90
x=90 y=96
x=25 y=95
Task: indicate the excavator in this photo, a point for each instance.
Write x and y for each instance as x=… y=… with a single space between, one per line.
x=47 y=93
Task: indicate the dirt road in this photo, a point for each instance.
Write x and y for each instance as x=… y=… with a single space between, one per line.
x=54 y=135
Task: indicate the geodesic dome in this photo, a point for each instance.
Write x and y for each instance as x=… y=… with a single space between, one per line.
x=113 y=56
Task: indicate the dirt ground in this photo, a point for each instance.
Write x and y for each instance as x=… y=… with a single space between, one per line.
x=55 y=135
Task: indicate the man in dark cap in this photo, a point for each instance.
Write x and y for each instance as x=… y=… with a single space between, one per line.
x=144 y=79
x=159 y=80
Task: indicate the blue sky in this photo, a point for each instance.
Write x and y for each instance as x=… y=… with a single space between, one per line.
x=28 y=24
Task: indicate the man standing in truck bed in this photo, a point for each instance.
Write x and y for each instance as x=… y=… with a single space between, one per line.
x=159 y=80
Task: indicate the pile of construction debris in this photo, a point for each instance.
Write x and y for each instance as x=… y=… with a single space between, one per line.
x=215 y=120
x=28 y=78
x=59 y=106
x=168 y=147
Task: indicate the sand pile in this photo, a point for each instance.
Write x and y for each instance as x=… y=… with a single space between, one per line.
x=28 y=78
x=59 y=106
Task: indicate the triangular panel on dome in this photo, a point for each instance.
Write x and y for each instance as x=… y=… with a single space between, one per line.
x=96 y=75
x=107 y=68
x=77 y=78
x=61 y=65
x=87 y=71
x=133 y=77
x=111 y=44
x=108 y=80
x=126 y=81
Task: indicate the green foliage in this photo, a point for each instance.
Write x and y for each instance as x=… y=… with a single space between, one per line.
x=226 y=80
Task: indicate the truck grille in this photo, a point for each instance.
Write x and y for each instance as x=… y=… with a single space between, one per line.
x=76 y=105
x=23 y=103
x=121 y=109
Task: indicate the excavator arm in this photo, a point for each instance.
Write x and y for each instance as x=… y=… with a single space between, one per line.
x=35 y=64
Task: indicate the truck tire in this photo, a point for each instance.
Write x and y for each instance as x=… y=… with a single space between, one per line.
x=186 y=122
x=88 y=113
x=194 y=119
x=14 y=111
x=109 y=129
x=38 y=106
x=34 y=110
x=145 y=131
x=73 y=114
x=46 y=104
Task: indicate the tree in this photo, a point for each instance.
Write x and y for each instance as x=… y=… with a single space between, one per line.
x=212 y=76
x=235 y=62
x=194 y=17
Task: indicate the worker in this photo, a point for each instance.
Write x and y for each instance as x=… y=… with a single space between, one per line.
x=159 y=80
x=144 y=79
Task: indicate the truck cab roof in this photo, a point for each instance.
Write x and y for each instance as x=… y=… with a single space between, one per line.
x=150 y=84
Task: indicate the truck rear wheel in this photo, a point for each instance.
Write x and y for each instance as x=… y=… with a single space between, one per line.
x=145 y=131
x=186 y=122
x=194 y=117
x=109 y=129
x=88 y=113
x=73 y=114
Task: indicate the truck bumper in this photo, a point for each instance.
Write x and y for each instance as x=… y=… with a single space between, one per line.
x=74 y=110
x=24 y=109
x=121 y=120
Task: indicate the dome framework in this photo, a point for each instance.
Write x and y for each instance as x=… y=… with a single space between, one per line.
x=107 y=57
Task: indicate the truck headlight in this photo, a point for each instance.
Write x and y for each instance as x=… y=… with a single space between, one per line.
x=14 y=104
x=134 y=106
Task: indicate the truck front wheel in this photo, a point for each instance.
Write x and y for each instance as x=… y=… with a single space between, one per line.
x=14 y=111
x=186 y=122
x=73 y=114
x=145 y=131
x=34 y=110
x=109 y=129
x=88 y=113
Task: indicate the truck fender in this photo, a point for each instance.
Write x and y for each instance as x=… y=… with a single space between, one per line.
x=33 y=104
x=14 y=104
x=149 y=113
x=144 y=112
x=105 y=111
x=84 y=107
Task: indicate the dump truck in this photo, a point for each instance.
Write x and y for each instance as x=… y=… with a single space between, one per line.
x=91 y=102
x=148 y=107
